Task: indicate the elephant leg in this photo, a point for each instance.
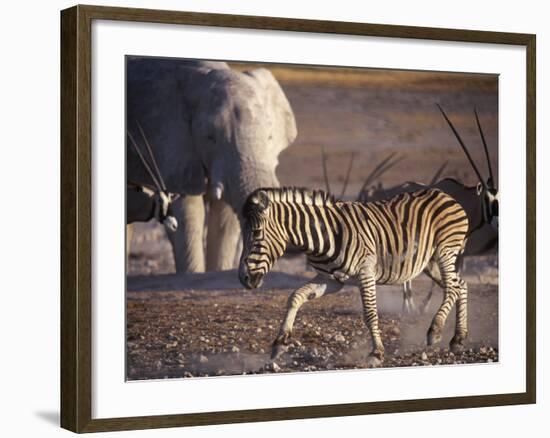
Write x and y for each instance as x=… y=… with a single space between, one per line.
x=223 y=237
x=188 y=240
x=129 y=237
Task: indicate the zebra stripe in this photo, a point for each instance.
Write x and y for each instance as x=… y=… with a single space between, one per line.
x=385 y=242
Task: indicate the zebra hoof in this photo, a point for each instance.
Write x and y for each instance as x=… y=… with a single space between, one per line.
x=423 y=309
x=279 y=345
x=408 y=311
x=277 y=350
x=374 y=361
x=456 y=345
x=456 y=348
x=434 y=336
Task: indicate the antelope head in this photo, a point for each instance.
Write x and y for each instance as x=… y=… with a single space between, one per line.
x=486 y=189
x=162 y=205
x=162 y=199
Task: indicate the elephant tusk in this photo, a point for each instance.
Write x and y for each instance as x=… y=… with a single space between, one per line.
x=217 y=192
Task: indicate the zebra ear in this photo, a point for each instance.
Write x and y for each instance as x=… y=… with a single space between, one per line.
x=260 y=199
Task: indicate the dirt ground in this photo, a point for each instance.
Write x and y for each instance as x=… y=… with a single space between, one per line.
x=207 y=324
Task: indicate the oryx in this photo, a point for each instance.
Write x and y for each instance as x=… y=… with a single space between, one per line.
x=145 y=201
x=370 y=192
x=480 y=203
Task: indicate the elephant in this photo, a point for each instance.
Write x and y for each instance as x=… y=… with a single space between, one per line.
x=217 y=134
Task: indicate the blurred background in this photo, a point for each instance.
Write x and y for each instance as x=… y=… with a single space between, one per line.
x=367 y=115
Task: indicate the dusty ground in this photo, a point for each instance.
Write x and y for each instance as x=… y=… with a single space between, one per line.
x=183 y=326
x=207 y=324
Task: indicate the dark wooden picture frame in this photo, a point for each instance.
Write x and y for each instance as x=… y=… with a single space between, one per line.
x=76 y=214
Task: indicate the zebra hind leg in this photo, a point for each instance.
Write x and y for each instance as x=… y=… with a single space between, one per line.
x=367 y=285
x=310 y=291
x=426 y=301
x=433 y=272
x=461 y=329
x=409 y=307
x=453 y=289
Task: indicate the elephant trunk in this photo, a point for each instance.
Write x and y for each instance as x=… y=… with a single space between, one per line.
x=249 y=181
x=228 y=193
x=233 y=185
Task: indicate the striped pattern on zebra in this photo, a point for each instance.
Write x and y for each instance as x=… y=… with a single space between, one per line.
x=384 y=242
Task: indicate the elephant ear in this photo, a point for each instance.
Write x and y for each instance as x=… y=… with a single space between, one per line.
x=194 y=77
x=155 y=105
x=282 y=112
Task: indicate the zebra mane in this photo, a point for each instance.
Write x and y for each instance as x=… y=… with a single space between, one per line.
x=300 y=195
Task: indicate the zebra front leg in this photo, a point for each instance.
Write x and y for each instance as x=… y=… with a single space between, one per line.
x=367 y=285
x=316 y=288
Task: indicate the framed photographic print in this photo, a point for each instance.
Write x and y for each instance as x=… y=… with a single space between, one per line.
x=256 y=209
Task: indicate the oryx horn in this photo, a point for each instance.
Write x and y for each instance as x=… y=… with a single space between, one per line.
x=152 y=157
x=346 y=181
x=380 y=169
x=463 y=146
x=438 y=173
x=144 y=162
x=491 y=179
x=325 y=174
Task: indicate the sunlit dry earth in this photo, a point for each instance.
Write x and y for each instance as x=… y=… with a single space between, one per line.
x=207 y=325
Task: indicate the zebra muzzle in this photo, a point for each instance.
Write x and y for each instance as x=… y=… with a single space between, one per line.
x=250 y=281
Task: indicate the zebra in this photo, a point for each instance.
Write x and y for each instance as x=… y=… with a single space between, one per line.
x=385 y=242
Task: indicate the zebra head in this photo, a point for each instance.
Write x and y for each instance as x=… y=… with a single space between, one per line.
x=263 y=240
x=486 y=189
